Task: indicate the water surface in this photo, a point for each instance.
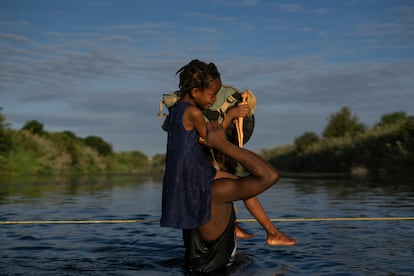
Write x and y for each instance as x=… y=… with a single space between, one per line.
x=143 y=248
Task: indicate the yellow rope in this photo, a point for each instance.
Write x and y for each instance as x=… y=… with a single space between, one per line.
x=332 y=219
x=239 y=220
x=79 y=221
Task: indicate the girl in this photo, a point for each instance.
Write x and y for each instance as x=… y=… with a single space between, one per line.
x=186 y=198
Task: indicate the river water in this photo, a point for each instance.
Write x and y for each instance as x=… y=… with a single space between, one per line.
x=143 y=248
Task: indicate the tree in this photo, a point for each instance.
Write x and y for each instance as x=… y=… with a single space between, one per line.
x=158 y=163
x=6 y=141
x=34 y=127
x=306 y=140
x=3 y=121
x=342 y=124
x=70 y=134
x=97 y=143
x=393 y=118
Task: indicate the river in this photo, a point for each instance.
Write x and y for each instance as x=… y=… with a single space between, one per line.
x=139 y=246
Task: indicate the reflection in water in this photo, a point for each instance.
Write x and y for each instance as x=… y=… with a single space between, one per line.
x=324 y=248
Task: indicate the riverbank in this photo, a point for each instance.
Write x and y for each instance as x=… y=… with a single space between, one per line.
x=385 y=149
x=381 y=150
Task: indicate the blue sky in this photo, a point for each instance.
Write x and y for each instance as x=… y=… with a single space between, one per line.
x=99 y=67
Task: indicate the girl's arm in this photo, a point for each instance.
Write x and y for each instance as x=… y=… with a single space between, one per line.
x=194 y=118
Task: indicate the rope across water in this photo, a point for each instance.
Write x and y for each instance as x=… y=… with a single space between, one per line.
x=11 y=222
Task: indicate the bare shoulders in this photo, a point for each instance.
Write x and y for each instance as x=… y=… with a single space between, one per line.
x=194 y=118
x=194 y=111
x=190 y=115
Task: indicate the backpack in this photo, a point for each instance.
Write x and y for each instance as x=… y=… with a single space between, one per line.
x=227 y=98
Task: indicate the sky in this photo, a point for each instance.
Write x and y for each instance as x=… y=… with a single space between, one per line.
x=100 y=67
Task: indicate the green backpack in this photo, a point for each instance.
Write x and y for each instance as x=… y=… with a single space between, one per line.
x=227 y=98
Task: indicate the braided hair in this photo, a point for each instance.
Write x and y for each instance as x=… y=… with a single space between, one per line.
x=197 y=74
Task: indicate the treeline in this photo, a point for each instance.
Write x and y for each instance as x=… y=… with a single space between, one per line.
x=345 y=146
x=348 y=146
x=33 y=150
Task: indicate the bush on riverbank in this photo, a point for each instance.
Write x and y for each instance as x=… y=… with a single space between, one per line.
x=33 y=150
x=57 y=153
x=386 y=148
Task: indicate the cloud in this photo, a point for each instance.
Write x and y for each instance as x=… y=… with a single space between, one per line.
x=15 y=38
x=320 y=11
x=301 y=93
x=405 y=13
x=117 y=38
x=385 y=31
x=143 y=29
x=290 y=8
x=210 y=17
x=242 y=3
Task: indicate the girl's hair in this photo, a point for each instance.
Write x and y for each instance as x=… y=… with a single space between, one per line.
x=197 y=74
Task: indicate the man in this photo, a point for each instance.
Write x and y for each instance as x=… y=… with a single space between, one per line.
x=211 y=246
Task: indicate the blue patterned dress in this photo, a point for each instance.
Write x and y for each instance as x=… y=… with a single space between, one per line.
x=186 y=198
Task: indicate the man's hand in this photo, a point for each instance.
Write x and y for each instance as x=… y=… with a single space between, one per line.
x=216 y=136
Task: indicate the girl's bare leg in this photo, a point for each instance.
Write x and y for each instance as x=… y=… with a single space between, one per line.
x=274 y=236
x=242 y=233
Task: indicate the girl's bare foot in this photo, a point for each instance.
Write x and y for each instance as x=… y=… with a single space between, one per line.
x=278 y=238
x=243 y=234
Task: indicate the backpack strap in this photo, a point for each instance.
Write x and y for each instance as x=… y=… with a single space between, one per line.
x=160 y=114
x=220 y=112
x=168 y=99
x=215 y=163
x=230 y=100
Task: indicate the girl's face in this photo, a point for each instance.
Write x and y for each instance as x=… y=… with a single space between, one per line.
x=205 y=98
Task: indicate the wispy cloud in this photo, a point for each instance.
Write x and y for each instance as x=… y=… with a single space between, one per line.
x=117 y=38
x=15 y=38
x=320 y=11
x=210 y=17
x=242 y=3
x=290 y=8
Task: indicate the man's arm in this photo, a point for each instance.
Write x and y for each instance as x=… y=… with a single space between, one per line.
x=262 y=174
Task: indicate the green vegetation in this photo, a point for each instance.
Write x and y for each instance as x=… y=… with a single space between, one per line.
x=348 y=147
x=33 y=150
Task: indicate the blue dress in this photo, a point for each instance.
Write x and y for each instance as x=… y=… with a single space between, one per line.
x=186 y=198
